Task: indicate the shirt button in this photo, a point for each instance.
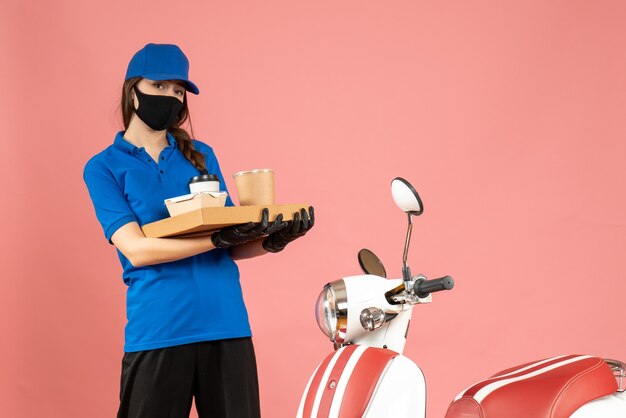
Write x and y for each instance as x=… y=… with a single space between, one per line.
x=149 y=160
x=161 y=171
x=162 y=158
x=129 y=152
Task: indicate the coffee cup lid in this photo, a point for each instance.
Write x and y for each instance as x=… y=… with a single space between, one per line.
x=258 y=170
x=204 y=177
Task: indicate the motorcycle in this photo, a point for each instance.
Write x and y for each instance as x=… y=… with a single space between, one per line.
x=367 y=317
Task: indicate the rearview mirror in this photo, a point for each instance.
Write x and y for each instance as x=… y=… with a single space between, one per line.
x=371 y=264
x=406 y=197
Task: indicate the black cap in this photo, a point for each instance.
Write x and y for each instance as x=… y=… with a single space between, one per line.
x=204 y=177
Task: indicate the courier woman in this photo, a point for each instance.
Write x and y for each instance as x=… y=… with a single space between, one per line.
x=187 y=334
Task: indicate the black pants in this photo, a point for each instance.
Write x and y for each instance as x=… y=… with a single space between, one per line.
x=221 y=375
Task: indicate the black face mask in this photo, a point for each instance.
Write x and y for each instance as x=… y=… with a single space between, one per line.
x=158 y=112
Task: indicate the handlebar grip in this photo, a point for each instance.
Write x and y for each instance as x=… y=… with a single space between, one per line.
x=425 y=287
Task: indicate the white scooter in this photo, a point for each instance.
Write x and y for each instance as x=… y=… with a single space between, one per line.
x=366 y=317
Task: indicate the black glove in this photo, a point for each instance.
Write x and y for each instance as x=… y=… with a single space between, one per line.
x=242 y=233
x=296 y=228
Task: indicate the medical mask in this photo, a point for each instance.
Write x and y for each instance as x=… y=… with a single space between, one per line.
x=158 y=112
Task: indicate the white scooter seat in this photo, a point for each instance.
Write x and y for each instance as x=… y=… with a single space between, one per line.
x=550 y=388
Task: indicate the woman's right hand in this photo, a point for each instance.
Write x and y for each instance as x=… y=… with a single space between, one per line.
x=242 y=233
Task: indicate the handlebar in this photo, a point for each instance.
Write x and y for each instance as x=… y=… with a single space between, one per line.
x=424 y=287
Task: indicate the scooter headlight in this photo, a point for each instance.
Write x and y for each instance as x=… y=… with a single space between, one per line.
x=331 y=311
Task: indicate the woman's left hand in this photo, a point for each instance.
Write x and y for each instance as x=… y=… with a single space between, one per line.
x=302 y=222
x=240 y=234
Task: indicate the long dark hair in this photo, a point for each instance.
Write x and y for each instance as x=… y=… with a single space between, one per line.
x=182 y=137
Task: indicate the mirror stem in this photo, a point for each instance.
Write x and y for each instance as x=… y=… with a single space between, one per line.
x=405 y=269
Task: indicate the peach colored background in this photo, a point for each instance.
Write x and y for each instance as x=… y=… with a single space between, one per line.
x=507 y=116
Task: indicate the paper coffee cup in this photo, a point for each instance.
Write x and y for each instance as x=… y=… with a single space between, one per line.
x=204 y=183
x=255 y=187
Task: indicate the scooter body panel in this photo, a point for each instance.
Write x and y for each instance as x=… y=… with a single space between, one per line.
x=359 y=381
x=366 y=291
x=401 y=392
x=611 y=406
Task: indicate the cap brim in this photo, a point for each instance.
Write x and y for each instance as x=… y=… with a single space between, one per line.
x=189 y=85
